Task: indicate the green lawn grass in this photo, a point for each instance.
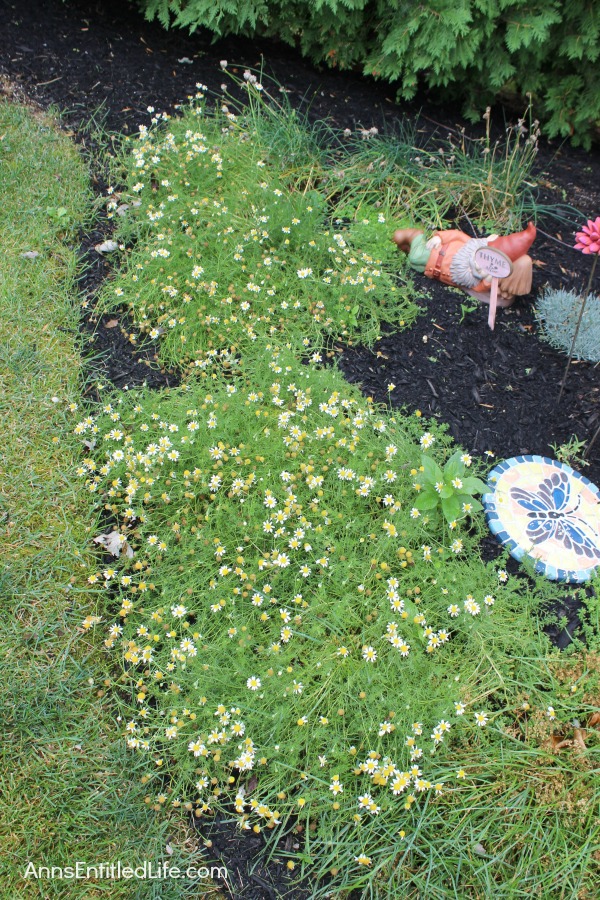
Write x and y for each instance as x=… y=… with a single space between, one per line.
x=68 y=789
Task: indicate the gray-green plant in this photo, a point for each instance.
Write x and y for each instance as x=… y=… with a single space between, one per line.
x=557 y=312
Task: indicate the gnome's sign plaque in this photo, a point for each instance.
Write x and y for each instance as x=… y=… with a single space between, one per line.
x=493 y=264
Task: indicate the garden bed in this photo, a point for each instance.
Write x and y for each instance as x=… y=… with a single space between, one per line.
x=497 y=391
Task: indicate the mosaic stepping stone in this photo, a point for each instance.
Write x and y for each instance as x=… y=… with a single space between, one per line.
x=542 y=509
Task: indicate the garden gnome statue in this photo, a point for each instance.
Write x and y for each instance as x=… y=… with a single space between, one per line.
x=449 y=257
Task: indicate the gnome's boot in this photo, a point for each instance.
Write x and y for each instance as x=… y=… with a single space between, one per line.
x=518 y=283
x=405 y=236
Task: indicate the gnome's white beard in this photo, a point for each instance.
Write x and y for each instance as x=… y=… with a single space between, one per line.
x=463 y=270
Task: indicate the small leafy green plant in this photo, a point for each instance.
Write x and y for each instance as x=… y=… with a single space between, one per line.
x=449 y=489
x=571 y=452
x=467 y=308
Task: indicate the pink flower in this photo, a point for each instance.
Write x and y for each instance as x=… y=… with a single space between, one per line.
x=588 y=240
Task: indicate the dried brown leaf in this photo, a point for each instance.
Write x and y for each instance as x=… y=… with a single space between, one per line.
x=251 y=784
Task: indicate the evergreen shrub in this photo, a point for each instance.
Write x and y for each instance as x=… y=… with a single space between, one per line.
x=475 y=50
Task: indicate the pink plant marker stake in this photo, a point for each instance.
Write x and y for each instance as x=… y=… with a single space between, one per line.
x=493 y=302
x=493 y=264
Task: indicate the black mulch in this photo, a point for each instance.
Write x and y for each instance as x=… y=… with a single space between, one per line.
x=249 y=875
x=496 y=390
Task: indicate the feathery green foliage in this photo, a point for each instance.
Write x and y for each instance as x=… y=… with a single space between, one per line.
x=235 y=244
x=315 y=657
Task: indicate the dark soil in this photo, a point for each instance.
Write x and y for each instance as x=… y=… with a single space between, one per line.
x=250 y=876
x=496 y=390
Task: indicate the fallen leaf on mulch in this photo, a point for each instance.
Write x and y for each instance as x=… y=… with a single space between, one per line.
x=594 y=720
x=114 y=542
x=106 y=247
x=252 y=784
x=577 y=741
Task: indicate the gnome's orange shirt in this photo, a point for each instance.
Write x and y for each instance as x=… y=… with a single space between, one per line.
x=440 y=258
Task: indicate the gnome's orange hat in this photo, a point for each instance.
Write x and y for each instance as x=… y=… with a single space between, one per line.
x=515 y=245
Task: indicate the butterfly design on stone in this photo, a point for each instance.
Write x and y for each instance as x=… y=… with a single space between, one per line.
x=553 y=518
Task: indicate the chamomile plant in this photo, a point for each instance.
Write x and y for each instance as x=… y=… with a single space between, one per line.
x=294 y=648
